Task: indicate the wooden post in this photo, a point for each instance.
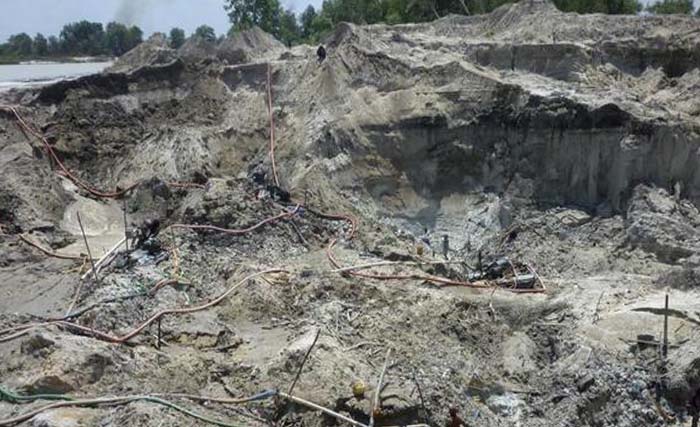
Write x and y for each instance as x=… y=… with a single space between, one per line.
x=92 y=262
x=664 y=349
x=126 y=227
x=159 y=333
x=321 y=408
x=106 y=258
x=427 y=417
x=375 y=402
x=303 y=362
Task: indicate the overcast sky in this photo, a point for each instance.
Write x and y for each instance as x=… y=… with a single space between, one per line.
x=49 y=16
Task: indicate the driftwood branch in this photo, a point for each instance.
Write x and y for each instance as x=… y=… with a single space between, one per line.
x=303 y=362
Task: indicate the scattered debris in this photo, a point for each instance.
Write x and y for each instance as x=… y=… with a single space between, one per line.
x=523 y=161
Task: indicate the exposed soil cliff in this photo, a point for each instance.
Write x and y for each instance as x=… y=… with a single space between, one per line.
x=568 y=144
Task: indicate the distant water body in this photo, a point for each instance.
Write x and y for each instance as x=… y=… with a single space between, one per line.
x=33 y=74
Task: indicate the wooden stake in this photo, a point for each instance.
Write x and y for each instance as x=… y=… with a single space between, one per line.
x=596 y=315
x=159 y=333
x=303 y=362
x=422 y=401
x=92 y=261
x=384 y=263
x=375 y=402
x=321 y=408
x=664 y=349
x=126 y=227
x=103 y=261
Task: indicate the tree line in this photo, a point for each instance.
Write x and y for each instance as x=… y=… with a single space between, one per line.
x=312 y=24
x=81 y=38
x=86 y=38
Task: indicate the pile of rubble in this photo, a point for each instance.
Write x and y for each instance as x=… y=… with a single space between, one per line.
x=477 y=218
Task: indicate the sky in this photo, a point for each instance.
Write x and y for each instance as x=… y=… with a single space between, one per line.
x=49 y=16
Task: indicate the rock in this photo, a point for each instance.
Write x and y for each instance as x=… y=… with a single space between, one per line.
x=637 y=387
x=397 y=404
x=584 y=383
x=518 y=351
x=683 y=377
x=506 y=405
x=50 y=384
x=72 y=363
x=219 y=205
x=573 y=217
x=36 y=343
x=201 y=331
x=576 y=361
x=150 y=200
x=65 y=417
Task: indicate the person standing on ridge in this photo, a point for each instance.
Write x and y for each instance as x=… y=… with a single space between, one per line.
x=321 y=53
x=445 y=246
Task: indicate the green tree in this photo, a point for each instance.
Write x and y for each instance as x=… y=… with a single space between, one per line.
x=312 y=23
x=54 y=47
x=422 y=10
x=356 y=11
x=395 y=11
x=177 y=37
x=668 y=7
x=116 y=36
x=289 y=32
x=40 y=46
x=613 y=7
x=119 y=38
x=306 y=20
x=134 y=37
x=205 y=32
x=83 y=38
x=20 y=44
x=321 y=25
x=244 y=14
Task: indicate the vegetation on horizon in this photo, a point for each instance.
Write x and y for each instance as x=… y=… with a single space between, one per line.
x=667 y=7
x=81 y=38
x=86 y=38
x=311 y=24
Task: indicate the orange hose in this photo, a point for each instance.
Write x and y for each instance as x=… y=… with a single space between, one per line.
x=138 y=329
x=28 y=130
x=428 y=278
x=236 y=231
x=49 y=252
x=77 y=181
x=377 y=276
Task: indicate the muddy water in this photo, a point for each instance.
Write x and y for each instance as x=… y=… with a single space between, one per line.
x=103 y=222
